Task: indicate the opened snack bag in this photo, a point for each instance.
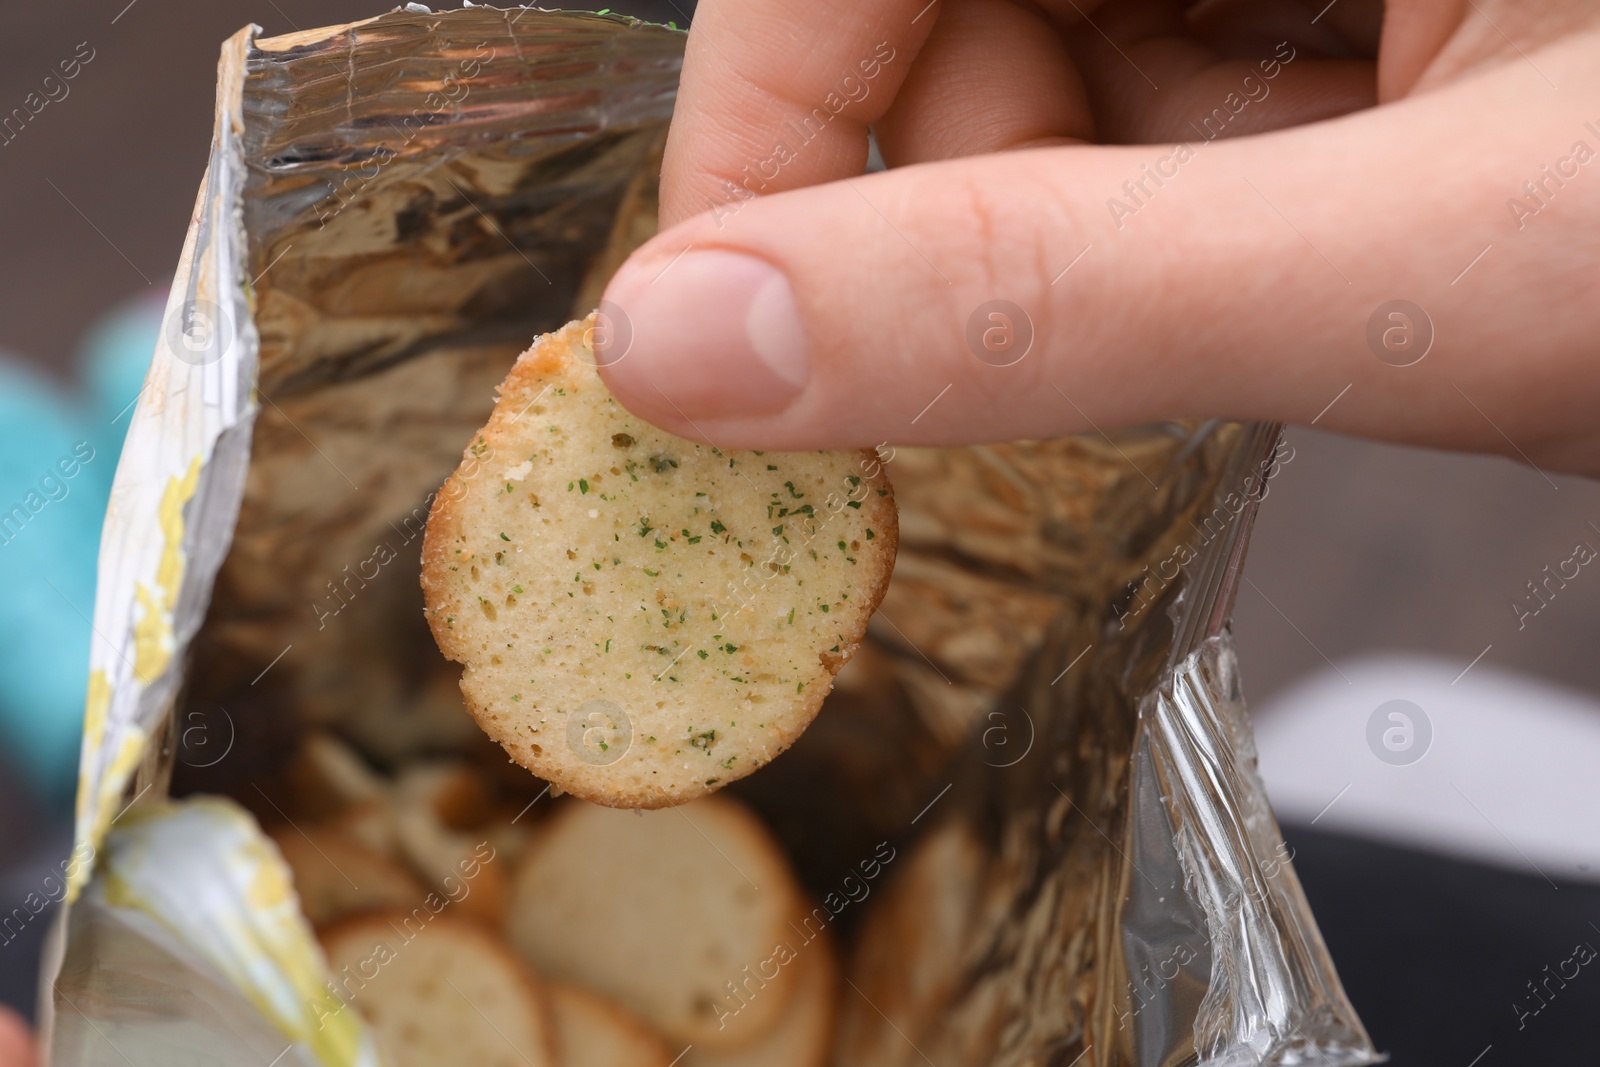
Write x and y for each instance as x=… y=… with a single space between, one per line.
x=445 y=712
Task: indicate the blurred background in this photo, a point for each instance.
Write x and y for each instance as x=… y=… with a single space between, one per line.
x=1451 y=877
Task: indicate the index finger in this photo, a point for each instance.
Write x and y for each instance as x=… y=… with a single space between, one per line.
x=777 y=95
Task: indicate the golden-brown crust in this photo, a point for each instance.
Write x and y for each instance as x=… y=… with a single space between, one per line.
x=383 y=926
x=573 y=1005
x=547 y=356
x=804 y=1035
x=384 y=923
x=576 y=855
x=907 y=957
x=320 y=859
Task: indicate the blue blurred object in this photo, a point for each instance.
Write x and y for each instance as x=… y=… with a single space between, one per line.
x=49 y=535
x=57 y=457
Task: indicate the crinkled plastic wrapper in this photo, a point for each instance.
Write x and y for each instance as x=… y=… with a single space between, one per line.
x=1044 y=730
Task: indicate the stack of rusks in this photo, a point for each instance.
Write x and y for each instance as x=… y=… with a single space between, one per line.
x=465 y=930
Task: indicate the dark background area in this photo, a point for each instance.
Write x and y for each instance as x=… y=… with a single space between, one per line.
x=1437 y=955
x=1359 y=548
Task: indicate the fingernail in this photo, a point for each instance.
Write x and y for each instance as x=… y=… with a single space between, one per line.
x=714 y=335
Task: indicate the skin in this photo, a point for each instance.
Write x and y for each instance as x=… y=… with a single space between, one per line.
x=1379 y=166
x=16 y=1041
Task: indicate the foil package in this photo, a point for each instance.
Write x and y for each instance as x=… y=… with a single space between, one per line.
x=1045 y=725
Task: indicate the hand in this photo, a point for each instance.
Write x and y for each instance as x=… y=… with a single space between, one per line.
x=1194 y=210
x=16 y=1041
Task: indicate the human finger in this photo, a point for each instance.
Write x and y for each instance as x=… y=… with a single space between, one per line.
x=1239 y=281
x=1150 y=79
x=992 y=75
x=777 y=95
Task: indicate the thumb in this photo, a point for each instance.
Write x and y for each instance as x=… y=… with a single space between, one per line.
x=1052 y=291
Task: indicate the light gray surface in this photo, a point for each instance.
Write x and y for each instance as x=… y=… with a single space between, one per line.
x=1494 y=767
x=1365 y=548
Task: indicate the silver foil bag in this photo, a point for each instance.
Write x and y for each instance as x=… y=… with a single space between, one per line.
x=1044 y=730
